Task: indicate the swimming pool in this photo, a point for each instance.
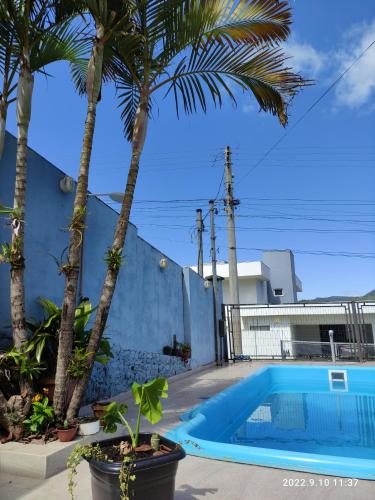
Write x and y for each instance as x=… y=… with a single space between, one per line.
x=317 y=419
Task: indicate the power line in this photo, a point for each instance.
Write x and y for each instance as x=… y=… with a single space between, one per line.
x=271 y=229
x=364 y=255
x=309 y=109
x=304 y=200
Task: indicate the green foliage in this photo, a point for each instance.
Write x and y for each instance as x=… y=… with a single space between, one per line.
x=6 y=210
x=147 y=396
x=78 y=364
x=39 y=34
x=81 y=451
x=41 y=417
x=115 y=415
x=200 y=51
x=11 y=253
x=126 y=475
x=21 y=359
x=114 y=259
x=43 y=343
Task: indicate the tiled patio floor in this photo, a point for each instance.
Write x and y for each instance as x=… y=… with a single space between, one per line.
x=198 y=478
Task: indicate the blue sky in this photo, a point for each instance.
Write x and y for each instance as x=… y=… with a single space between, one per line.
x=323 y=169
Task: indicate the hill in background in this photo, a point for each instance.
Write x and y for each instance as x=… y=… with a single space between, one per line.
x=370 y=296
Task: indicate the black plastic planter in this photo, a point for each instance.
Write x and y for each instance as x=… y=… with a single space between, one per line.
x=154 y=477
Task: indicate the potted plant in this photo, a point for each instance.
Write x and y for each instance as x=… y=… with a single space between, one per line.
x=185 y=352
x=67 y=432
x=137 y=466
x=168 y=350
x=42 y=415
x=88 y=426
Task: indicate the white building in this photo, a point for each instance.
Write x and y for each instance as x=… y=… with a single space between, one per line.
x=275 y=325
x=270 y=281
x=302 y=330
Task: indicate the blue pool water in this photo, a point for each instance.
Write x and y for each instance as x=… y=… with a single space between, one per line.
x=329 y=424
x=291 y=417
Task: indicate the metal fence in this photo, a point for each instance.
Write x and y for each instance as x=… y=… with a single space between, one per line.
x=341 y=331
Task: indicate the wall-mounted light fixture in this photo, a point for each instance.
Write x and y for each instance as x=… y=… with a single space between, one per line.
x=163 y=263
x=66 y=184
x=207 y=284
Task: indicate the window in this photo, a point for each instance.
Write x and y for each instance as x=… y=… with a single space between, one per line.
x=249 y=325
x=278 y=292
x=260 y=328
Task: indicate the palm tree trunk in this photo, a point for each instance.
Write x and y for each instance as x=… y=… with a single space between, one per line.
x=77 y=227
x=3 y=121
x=139 y=135
x=17 y=288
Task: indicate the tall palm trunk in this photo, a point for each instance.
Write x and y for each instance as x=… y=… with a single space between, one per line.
x=17 y=288
x=77 y=227
x=139 y=135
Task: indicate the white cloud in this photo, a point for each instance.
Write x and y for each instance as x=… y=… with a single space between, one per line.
x=305 y=59
x=358 y=85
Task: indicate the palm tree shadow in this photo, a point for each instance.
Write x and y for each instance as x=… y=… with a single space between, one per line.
x=187 y=492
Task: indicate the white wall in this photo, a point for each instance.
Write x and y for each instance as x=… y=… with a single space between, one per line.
x=258 y=342
x=252 y=291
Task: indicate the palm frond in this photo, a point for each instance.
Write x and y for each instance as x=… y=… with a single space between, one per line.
x=200 y=50
x=253 y=21
x=181 y=23
x=128 y=94
x=63 y=42
x=209 y=71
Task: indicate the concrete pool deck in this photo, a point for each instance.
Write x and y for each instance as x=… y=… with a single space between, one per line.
x=200 y=478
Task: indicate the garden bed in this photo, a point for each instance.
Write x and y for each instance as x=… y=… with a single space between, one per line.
x=41 y=460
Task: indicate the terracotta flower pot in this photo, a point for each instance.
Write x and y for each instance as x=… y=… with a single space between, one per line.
x=98 y=409
x=66 y=435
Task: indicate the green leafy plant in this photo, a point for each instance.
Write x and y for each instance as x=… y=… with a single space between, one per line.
x=147 y=397
x=10 y=253
x=41 y=417
x=21 y=360
x=43 y=342
x=114 y=259
x=80 y=451
x=78 y=364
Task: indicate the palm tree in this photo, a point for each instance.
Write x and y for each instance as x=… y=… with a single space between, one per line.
x=30 y=39
x=8 y=69
x=194 y=50
x=111 y=19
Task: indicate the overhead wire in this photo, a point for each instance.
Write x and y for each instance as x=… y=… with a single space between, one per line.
x=309 y=109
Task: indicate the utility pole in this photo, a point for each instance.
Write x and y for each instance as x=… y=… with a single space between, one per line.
x=200 y=241
x=234 y=294
x=214 y=282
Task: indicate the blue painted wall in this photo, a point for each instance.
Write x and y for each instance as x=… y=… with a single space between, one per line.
x=198 y=311
x=150 y=305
